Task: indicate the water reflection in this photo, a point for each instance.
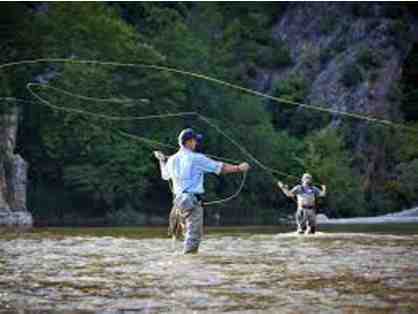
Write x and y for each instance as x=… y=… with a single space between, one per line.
x=235 y=272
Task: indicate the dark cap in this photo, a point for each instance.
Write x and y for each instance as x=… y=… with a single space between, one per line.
x=188 y=134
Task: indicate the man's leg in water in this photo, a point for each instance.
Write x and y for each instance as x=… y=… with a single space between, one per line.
x=300 y=220
x=311 y=220
x=176 y=228
x=172 y=222
x=194 y=229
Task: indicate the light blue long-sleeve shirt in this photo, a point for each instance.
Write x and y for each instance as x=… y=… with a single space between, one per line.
x=186 y=169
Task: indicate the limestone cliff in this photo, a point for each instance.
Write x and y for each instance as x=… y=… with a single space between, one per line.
x=13 y=174
x=352 y=56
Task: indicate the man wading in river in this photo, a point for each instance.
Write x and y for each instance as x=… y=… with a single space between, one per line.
x=186 y=169
x=306 y=195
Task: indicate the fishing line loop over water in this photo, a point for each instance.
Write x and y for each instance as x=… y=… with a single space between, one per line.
x=206 y=120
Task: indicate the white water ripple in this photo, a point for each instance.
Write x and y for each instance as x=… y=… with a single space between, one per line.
x=325 y=273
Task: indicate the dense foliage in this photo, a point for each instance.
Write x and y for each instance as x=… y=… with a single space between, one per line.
x=84 y=168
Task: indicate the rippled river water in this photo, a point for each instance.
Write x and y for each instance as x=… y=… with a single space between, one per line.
x=238 y=270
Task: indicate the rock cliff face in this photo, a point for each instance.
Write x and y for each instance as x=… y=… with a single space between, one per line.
x=328 y=41
x=351 y=56
x=13 y=175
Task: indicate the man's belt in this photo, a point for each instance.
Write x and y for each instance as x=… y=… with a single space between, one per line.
x=199 y=196
x=308 y=207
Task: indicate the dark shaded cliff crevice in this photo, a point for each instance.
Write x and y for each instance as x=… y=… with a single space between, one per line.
x=409 y=85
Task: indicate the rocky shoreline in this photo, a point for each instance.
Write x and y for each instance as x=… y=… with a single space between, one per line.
x=405 y=216
x=18 y=218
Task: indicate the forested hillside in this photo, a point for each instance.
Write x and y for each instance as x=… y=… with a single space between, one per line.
x=360 y=58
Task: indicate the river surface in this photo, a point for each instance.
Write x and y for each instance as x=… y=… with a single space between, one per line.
x=239 y=270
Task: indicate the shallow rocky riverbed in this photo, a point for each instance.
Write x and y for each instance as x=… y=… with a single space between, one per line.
x=234 y=273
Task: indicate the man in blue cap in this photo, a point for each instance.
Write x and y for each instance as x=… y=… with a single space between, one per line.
x=186 y=170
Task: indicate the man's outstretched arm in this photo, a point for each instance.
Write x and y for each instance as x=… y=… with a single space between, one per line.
x=228 y=168
x=285 y=189
x=209 y=165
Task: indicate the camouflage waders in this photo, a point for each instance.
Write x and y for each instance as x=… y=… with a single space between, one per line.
x=306 y=220
x=186 y=220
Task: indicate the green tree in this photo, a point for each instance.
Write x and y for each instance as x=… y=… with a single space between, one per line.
x=84 y=154
x=330 y=164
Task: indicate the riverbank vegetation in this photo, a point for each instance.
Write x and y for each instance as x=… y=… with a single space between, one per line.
x=83 y=168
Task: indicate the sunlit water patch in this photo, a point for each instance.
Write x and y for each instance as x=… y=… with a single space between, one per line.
x=246 y=272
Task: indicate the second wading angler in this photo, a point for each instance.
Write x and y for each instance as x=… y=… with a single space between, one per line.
x=306 y=195
x=186 y=170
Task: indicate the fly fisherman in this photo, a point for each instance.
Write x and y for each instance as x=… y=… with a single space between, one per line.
x=186 y=169
x=306 y=195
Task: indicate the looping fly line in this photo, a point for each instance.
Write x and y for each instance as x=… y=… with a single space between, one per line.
x=180 y=114
x=136 y=137
x=214 y=80
x=149 y=117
